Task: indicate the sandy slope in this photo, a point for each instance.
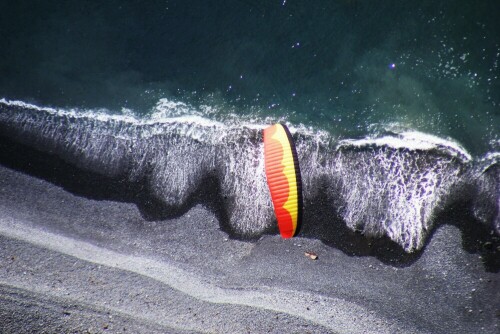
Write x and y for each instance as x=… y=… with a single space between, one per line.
x=72 y=264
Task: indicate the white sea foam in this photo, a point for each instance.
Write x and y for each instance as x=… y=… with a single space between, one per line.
x=99 y=114
x=412 y=140
x=491 y=156
x=174 y=112
x=165 y=112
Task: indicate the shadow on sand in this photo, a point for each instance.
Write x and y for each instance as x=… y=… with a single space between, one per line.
x=321 y=220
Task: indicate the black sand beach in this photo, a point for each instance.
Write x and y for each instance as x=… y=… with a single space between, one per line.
x=73 y=264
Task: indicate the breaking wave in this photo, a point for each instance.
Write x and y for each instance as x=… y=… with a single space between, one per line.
x=392 y=184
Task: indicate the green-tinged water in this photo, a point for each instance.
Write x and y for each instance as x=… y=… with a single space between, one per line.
x=350 y=67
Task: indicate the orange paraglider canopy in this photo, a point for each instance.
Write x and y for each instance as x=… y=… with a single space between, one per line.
x=283 y=178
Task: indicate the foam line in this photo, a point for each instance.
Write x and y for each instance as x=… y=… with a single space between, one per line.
x=413 y=140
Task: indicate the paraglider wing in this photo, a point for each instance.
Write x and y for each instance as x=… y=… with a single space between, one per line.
x=283 y=178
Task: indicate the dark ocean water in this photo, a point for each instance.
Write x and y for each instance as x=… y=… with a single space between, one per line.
x=350 y=67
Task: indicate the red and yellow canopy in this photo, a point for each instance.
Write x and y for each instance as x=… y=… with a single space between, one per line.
x=283 y=178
